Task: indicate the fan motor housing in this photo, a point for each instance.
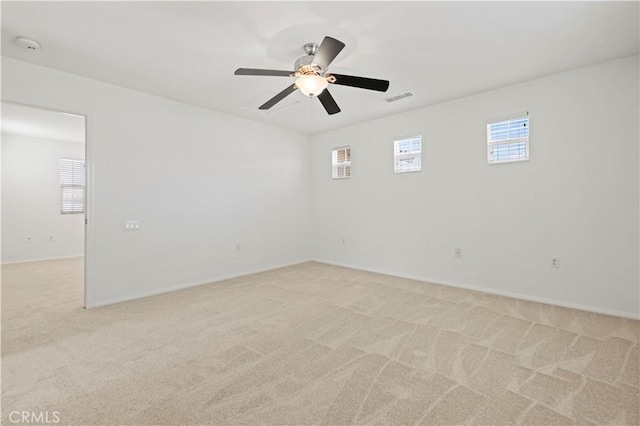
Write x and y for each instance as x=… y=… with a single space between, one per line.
x=307 y=61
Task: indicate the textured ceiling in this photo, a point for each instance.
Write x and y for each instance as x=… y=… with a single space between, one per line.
x=188 y=51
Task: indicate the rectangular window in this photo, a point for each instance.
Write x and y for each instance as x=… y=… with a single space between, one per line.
x=508 y=140
x=341 y=161
x=72 y=182
x=407 y=154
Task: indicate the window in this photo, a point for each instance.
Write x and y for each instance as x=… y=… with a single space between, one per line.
x=508 y=140
x=71 y=186
x=341 y=161
x=407 y=154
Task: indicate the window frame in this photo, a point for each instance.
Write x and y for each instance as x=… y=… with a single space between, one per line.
x=82 y=186
x=412 y=154
x=335 y=165
x=526 y=140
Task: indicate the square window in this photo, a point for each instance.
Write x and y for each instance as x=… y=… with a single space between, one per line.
x=407 y=154
x=508 y=140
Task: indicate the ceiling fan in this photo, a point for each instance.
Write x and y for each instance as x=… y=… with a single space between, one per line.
x=312 y=76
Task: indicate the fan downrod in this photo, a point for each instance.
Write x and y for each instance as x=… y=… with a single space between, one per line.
x=310 y=48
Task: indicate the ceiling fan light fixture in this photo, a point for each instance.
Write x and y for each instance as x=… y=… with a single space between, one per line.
x=311 y=84
x=312 y=77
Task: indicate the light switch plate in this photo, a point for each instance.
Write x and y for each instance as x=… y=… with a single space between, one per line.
x=131 y=225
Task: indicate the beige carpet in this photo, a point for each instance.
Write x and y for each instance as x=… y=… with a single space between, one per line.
x=310 y=344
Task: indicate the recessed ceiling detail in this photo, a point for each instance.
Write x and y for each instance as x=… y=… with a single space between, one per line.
x=440 y=50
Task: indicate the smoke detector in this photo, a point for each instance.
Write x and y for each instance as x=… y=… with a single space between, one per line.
x=27 y=43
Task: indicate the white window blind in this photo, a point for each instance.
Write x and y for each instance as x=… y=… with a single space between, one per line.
x=407 y=154
x=341 y=162
x=72 y=183
x=508 y=140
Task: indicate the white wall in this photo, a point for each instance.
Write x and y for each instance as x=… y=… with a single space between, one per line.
x=200 y=182
x=31 y=200
x=577 y=198
x=169 y=165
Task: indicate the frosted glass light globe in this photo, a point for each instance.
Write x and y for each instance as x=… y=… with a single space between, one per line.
x=311 y=85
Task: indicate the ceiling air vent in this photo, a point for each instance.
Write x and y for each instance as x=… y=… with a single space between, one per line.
x=398 y=97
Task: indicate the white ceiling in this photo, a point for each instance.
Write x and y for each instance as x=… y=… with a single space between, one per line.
x=42 y=123
x=188 y=51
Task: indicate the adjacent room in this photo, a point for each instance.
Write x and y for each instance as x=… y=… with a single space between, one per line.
x=43 y=197
x=449 y=234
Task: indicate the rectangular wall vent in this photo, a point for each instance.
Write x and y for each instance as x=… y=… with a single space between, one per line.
x=398 y=97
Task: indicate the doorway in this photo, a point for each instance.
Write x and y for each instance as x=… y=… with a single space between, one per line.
x=44 y=208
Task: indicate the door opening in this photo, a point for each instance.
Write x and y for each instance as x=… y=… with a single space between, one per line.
x=44 y=208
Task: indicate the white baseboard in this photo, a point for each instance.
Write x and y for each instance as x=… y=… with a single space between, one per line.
x=599 y=310
x=188 y=285
x=12 y=262
x=514 y=295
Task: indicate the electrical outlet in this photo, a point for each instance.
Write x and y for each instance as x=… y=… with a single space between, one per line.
x=555 y=262
x=131 y=225
x=457 y=253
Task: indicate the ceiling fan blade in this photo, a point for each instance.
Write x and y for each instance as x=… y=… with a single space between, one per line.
x=327 y=52
x=361 y=82
x=328 y=102
x=280 y=96
x=255 y=71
